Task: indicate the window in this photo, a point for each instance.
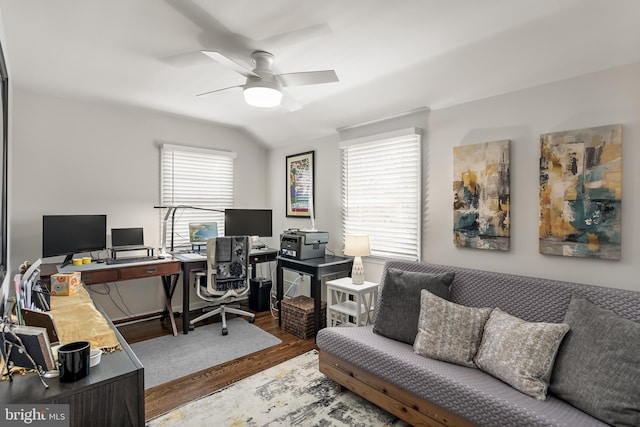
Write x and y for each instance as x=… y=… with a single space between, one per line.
x=381 y=188
x=199 y=178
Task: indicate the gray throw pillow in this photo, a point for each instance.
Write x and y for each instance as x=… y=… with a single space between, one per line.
x=520 y=353
x=449 y=331
x=399 y=307
x=598 y=364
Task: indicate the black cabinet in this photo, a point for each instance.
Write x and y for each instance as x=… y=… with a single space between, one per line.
x=112 y=394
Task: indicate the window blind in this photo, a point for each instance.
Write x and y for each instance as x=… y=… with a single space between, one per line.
x=195 y=177
x=381 y=193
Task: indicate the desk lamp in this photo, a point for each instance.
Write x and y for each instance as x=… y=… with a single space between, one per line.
x=357 y=246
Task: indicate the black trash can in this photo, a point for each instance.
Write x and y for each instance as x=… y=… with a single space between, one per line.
x=259 y=294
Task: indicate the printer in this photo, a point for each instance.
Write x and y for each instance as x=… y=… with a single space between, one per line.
x=299 y=244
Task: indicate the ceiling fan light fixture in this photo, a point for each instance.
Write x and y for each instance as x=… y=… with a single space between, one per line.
x=262 y=96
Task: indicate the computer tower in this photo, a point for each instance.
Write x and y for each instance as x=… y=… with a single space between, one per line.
x=259 y=299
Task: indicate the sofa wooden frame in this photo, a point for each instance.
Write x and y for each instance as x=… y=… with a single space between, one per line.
x=406 y=406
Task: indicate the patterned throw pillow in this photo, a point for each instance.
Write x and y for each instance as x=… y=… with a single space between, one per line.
x=399 y=308
x=449 y=331
x=598 y=364
x=520 y=353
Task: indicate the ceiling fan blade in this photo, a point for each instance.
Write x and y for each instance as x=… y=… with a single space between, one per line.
x=218 y=90
x=236 y=66
x=213 y=32
x=307 y=78
x=289 y=103
x=296 y=36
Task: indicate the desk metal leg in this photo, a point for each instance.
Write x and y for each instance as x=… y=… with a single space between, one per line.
x=186 y=274
x=316 y=294
x=169 y=284
x=279 y=292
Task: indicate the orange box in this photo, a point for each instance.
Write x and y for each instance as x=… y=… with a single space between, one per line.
x=64 y=284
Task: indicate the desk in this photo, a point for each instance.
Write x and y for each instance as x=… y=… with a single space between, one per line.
x=96 y=273
x=190 y=264
x=111 y=395
x=316 y=268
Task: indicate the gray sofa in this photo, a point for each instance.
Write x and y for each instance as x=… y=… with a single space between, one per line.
x=424 y=391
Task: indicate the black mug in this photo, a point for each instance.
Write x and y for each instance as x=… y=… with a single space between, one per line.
x=73 y=361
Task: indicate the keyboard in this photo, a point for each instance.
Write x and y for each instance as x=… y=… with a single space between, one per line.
x=111 y=261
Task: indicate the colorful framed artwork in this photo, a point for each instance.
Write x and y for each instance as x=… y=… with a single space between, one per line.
x=581 y=193
x=300 y=184
x=481 y=200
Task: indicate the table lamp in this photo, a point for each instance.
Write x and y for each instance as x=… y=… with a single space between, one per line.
x=357 y=246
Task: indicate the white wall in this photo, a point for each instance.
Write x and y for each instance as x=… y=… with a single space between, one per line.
x=80 y=157
x=76 y=156
x=327 y=197
x=602 y=98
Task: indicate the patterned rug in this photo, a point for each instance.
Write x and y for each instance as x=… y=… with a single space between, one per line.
x=292 y=393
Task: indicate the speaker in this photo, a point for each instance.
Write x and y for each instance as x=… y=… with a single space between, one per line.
x=259 y=294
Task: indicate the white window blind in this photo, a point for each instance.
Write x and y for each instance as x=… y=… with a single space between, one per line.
x=381 y=192
x=195 y=177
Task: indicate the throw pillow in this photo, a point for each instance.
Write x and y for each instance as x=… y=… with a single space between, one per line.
x=449 y=331
x=598 y=364
x=520 y=353
x=399 y=307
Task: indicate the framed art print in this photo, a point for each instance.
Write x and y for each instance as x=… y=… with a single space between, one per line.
x=481 y=196
x=300 y=184
x=581 y=193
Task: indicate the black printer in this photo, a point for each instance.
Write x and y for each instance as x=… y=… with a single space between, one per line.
x=300 y=244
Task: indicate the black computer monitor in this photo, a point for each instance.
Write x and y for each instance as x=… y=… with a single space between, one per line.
x=71 y=234
x=133 y=236
x=248 y=222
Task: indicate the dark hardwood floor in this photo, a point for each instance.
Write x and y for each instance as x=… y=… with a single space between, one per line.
x=165 y=397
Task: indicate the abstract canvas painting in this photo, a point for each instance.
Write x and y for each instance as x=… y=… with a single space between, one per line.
x=581 y=192
x=481 y=196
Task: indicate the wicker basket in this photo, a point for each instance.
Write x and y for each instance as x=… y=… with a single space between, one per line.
x=297 y=316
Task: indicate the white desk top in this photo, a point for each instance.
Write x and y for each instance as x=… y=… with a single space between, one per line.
x=191 y=256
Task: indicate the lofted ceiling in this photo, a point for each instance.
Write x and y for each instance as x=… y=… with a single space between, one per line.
x=390 y=56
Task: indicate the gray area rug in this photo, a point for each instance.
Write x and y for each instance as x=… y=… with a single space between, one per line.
x=293 y=393
x=167 y=358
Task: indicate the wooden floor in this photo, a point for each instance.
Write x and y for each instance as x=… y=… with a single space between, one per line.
x=165 y=397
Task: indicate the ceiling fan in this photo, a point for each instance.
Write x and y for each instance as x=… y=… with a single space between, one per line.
x=263 y=88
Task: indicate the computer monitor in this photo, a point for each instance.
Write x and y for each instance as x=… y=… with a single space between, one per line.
x=200 y=232
x=127 y=237
x=248 y=222
x=71 y=234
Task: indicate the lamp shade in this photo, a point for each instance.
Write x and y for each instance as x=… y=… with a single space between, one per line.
x=262 y=93
x=357 y=245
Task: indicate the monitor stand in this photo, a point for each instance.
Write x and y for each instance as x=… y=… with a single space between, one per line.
x=67 y=260
x=197 y=247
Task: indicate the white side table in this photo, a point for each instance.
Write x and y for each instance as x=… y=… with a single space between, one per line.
x=341 y=308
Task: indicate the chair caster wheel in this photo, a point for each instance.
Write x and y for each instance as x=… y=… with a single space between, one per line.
x=252 y=320
x=225 y=331
x=191 y=327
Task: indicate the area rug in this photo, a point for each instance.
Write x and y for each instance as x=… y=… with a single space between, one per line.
x=293 y=393
x=167 y=358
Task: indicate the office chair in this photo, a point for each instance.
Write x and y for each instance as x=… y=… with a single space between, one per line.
x=228 y=272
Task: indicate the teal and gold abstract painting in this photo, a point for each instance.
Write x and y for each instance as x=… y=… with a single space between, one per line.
x=481 y=200
x=581 y=193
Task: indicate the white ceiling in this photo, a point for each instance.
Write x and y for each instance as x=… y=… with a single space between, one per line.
x=390 y=56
